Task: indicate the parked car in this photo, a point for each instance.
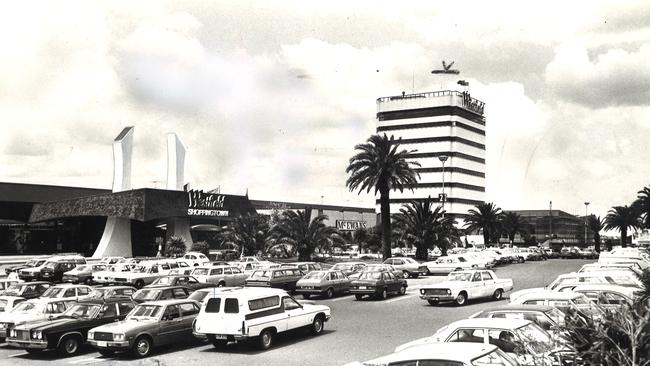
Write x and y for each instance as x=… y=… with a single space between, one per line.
x=54 y=269
x=67 y=291
x=569 y=253
x=349 y=268
x=447 y=354
x=618 y=266
x=585 y=253
x=31 y=310
x=409 y=266
x=451 y=263
x=106 y=276
x=144 y=274
x=68 y=332
x=377 y=284
x=383 y=268
x=521 y=339
x=160 y=293
x=529 y=254
x=186 y=281
x=110 y=260
x=463 y=285
x=34 y=273
x=148 y=325
x=195 y=259
x=550 y=253
x=609 y=296
x=220 y=275
x=560 y=300
x=32 y=263
x=8 y=303
x=27 y=290
x=547 y=317
x=109 y=292
x=264 y=312
x=83 y=273
x=323 y=283
x=304 y=267
x=201 y=295
x=6 y=282
x=283 y=278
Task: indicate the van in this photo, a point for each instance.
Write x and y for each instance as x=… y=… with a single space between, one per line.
x=239 y=314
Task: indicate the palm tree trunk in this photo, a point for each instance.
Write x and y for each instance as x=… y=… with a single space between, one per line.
x=384 y=204
x=597 y=242
x=623 y=237
x=486 y=237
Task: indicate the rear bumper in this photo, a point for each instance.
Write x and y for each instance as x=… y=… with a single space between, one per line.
x=364 y=291
x=27 y=344
x=311 y=291
x=225 y=337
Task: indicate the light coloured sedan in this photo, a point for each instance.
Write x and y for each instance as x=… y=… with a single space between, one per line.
x=409 y=266
x=324 y=283
x=451 y=263
x=31 y=310
x=221 y=276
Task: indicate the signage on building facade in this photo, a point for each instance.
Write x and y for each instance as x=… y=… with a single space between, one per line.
x=205 y=204
x=350 y=225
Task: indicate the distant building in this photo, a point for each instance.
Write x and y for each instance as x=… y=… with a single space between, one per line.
x=439 y=125
x=560 y=227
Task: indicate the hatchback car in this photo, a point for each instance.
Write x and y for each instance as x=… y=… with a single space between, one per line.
x=83 y=273
x=323 y=283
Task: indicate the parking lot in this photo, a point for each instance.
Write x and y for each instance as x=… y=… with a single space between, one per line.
x=358 y=330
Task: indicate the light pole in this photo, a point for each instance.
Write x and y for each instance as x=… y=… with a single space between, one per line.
x=443 y=197
x=586 y=204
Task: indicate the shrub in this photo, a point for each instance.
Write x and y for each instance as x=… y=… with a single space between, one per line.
x=175 y=247
x=201 y=247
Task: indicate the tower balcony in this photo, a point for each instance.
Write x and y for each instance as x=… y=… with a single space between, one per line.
x=443 y=98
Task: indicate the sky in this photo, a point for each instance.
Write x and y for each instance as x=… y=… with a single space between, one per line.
x=271 y=97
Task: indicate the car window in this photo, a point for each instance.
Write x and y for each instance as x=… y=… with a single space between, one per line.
x=611 y=298
x=108 y=311
x=154 y=269
x=235 y=270
x=179 y=293
x=398 y=261
x=171 y=312
x=262 y=303
x=289 y=303
x=124 y=292
x=487 y=276
x=166 y=295
x=124 y=307
x=216 y=271
x=213 y=305
x=83 y=291
x=534 y=302
x=69 y=293
x=467 y=335
x=227 y=271
x=188 y=309
x=231 y=306
x=476 y=277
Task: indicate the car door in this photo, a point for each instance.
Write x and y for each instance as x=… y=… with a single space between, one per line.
x=189 y=311
x=391 y=282
x=476 y=287
x=228 y=277
x=489 y=284
x=216 y=276
x=239 y=277
x=296 y=317
x=170 y=325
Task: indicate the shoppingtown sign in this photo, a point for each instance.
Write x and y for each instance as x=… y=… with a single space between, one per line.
x=205 y=204
x=350 y=225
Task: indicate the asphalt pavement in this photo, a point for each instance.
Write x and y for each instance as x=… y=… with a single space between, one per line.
x=358 y=330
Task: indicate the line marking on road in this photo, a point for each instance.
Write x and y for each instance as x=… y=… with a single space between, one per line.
x=87 y=361
x=341 y=298
x=19 y=354
x=399 y=298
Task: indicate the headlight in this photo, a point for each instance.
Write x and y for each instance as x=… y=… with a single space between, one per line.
x=91 y=335
x=422 y=291
x=12 y=333
x=118 y=337
x=448 y=292
x=37 y=334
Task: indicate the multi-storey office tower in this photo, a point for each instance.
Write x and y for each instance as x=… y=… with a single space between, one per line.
x=442 y=125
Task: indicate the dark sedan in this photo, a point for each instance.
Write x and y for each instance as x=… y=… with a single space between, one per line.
x=67 y=332
x=184 y=281
x=378 y=284
x=161 y=293
x=284 y=278
x=27 y=290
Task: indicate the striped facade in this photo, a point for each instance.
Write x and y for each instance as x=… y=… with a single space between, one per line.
x=444 y=123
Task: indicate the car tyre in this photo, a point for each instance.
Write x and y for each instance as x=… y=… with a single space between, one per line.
x=318 y=325
x=498 y=294
x=330 y=293
x=461 y=299
x=266 y=339
x=69 y=345
x=106 y=352
x=433 y=302
x=358 y=296
x=520 y=260
x=142 y=347
x=383 y=294
x=402 y=290
x=89 y=281
x=221 y=284
x=139 y=284
x=306 y=296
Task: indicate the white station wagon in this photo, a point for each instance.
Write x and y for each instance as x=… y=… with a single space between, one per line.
x=239 y=314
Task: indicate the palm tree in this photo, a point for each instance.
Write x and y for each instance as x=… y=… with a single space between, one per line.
x=595 y=224
x=248 y=232
x=486 y=217
x=420 y=225
x=642 y=205
x=512 y=224
x=302 y=233
x=379 y=165
x=622 y=218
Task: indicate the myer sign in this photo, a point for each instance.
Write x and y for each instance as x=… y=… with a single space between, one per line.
x=205 y=204
x=350 y=225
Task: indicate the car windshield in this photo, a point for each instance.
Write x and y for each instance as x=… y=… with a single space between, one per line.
x=198 y=295
x=535 y=337
x=314 y=275
x=459 y=276
x=261 y=275
x=96 y=267
x=494 y=358
x=82 y=311
x=14 y=290
x=53 y=292
x=370 y=276
x=145 y=311
x=342 y=267
x=200 y=271
x=27 y=306
x=80 y=268
x=164 y=281
x=146 y=294
x=581 y=300
x=98 y=293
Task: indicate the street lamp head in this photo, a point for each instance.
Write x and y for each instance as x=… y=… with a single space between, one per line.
x=586 y=203
x=443 y=158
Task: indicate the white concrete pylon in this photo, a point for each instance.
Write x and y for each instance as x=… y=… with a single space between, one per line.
x=175 y=162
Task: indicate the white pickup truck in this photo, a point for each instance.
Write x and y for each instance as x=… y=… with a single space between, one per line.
x=463 y=285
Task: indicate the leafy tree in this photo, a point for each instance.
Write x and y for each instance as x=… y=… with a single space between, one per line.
x=175 y=247
x=484 y=217
x=421 y=225
x=380 y=166
x=595 y=224
x=201 y=247
x=622 y=218
x=448 y=235
x=250 y=232
x=642 y=205
x=361 y=236
x=299 y=231
x=512 y=224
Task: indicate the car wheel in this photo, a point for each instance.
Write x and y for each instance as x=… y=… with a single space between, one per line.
x=406 y=274
x=358 y=296
x=306 y=296
x=106 y=352
x=415 y=275
x=266 y=339
x=330 y=293
x=221 y=284
x=433 y=302
x=142 y=347
x=139 y=284
x=89 y=281
x=461 y=299
x=383 y=294
x=520 y=260
x=69 y=346
x=402 y=290
x=498 y=294
x=318 y=325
